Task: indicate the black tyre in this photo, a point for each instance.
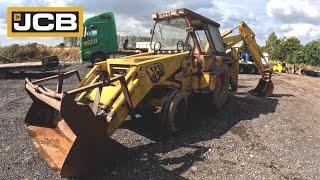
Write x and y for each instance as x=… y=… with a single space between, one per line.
x=174 y=111
x=256 y=70
x=241 y=69
x=98 y=57
x=251 y=69
x=219 y=95
x=4 y=74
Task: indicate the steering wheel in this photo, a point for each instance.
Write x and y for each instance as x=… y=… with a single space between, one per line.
x=187 y=47
x=180 y=44
x=154 y=46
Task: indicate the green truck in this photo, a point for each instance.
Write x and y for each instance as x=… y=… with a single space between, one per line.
x=99 y=39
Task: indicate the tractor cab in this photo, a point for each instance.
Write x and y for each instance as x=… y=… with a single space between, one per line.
x=184 y=30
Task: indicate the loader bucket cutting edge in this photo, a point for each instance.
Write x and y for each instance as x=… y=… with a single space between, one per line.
x=68 y=135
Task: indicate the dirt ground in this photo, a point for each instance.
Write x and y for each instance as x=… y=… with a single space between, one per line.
x=251 y=138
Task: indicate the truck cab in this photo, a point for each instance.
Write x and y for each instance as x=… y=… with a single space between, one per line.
x=99 y=38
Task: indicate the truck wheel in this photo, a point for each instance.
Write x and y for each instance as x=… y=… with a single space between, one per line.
x=251 y=69
x=241 y=69
x=219 y=95
x=97 y=58
x=256 y=70
x=3 y=74
x=174 y=111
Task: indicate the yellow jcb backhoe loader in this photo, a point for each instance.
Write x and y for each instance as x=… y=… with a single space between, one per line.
x=71 y=129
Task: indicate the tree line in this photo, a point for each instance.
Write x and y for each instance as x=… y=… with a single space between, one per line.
x=291 y=50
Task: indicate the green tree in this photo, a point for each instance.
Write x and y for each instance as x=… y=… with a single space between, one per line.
x=288 y=47
x=312 y=53
x=299 y=56
x=273 y=46
x=61 y=45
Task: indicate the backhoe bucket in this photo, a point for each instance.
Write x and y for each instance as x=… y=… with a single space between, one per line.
x=264 y=88
x=67 y=133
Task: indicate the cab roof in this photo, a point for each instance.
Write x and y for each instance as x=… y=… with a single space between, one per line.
x=183 y=12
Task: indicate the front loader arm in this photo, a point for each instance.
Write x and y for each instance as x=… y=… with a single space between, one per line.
x=149 y=74
x=71 y=128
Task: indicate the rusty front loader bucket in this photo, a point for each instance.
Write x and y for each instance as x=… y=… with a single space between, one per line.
x=265 y=86
x=68 y=134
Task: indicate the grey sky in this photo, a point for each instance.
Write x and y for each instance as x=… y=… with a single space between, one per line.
x=287 y=17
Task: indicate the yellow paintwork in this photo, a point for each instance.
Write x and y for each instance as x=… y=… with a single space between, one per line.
x=248 y=37
x=235 y=67
x=279 y=68
x=139 y=83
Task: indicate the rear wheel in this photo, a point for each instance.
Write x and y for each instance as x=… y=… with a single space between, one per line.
x=220 y=93
x=174 y=111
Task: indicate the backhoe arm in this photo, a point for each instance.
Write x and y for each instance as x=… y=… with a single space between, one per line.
x=248 y=37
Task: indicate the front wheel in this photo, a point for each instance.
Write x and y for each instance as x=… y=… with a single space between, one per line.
x=174 y=111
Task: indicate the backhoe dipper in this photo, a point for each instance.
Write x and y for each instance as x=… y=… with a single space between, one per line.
x=71 y=128
x=246 y=35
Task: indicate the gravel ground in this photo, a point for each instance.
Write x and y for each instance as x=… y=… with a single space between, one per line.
x=251 y=138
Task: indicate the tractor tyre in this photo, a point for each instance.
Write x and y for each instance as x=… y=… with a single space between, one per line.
x=174 y=113
x=219 y=95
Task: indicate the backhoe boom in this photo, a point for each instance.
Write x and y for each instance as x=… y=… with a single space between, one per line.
x=247 y=36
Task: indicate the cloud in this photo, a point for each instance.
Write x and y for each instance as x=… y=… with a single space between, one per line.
x=49 y=41
x=131 y=25
x=135 y=18
x=298 y=18
x=301 y=30
x=295 y=11
x=23 y=3
x=3 y=27
x=286 y=17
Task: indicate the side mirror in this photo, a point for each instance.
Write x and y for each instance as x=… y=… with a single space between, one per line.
x=189 y=29
x=151 y=31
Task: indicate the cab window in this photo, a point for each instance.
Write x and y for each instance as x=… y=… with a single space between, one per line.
x=203 y=40
x=216 y=38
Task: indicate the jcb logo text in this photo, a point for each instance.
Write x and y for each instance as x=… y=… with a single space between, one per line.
x=45 y=21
